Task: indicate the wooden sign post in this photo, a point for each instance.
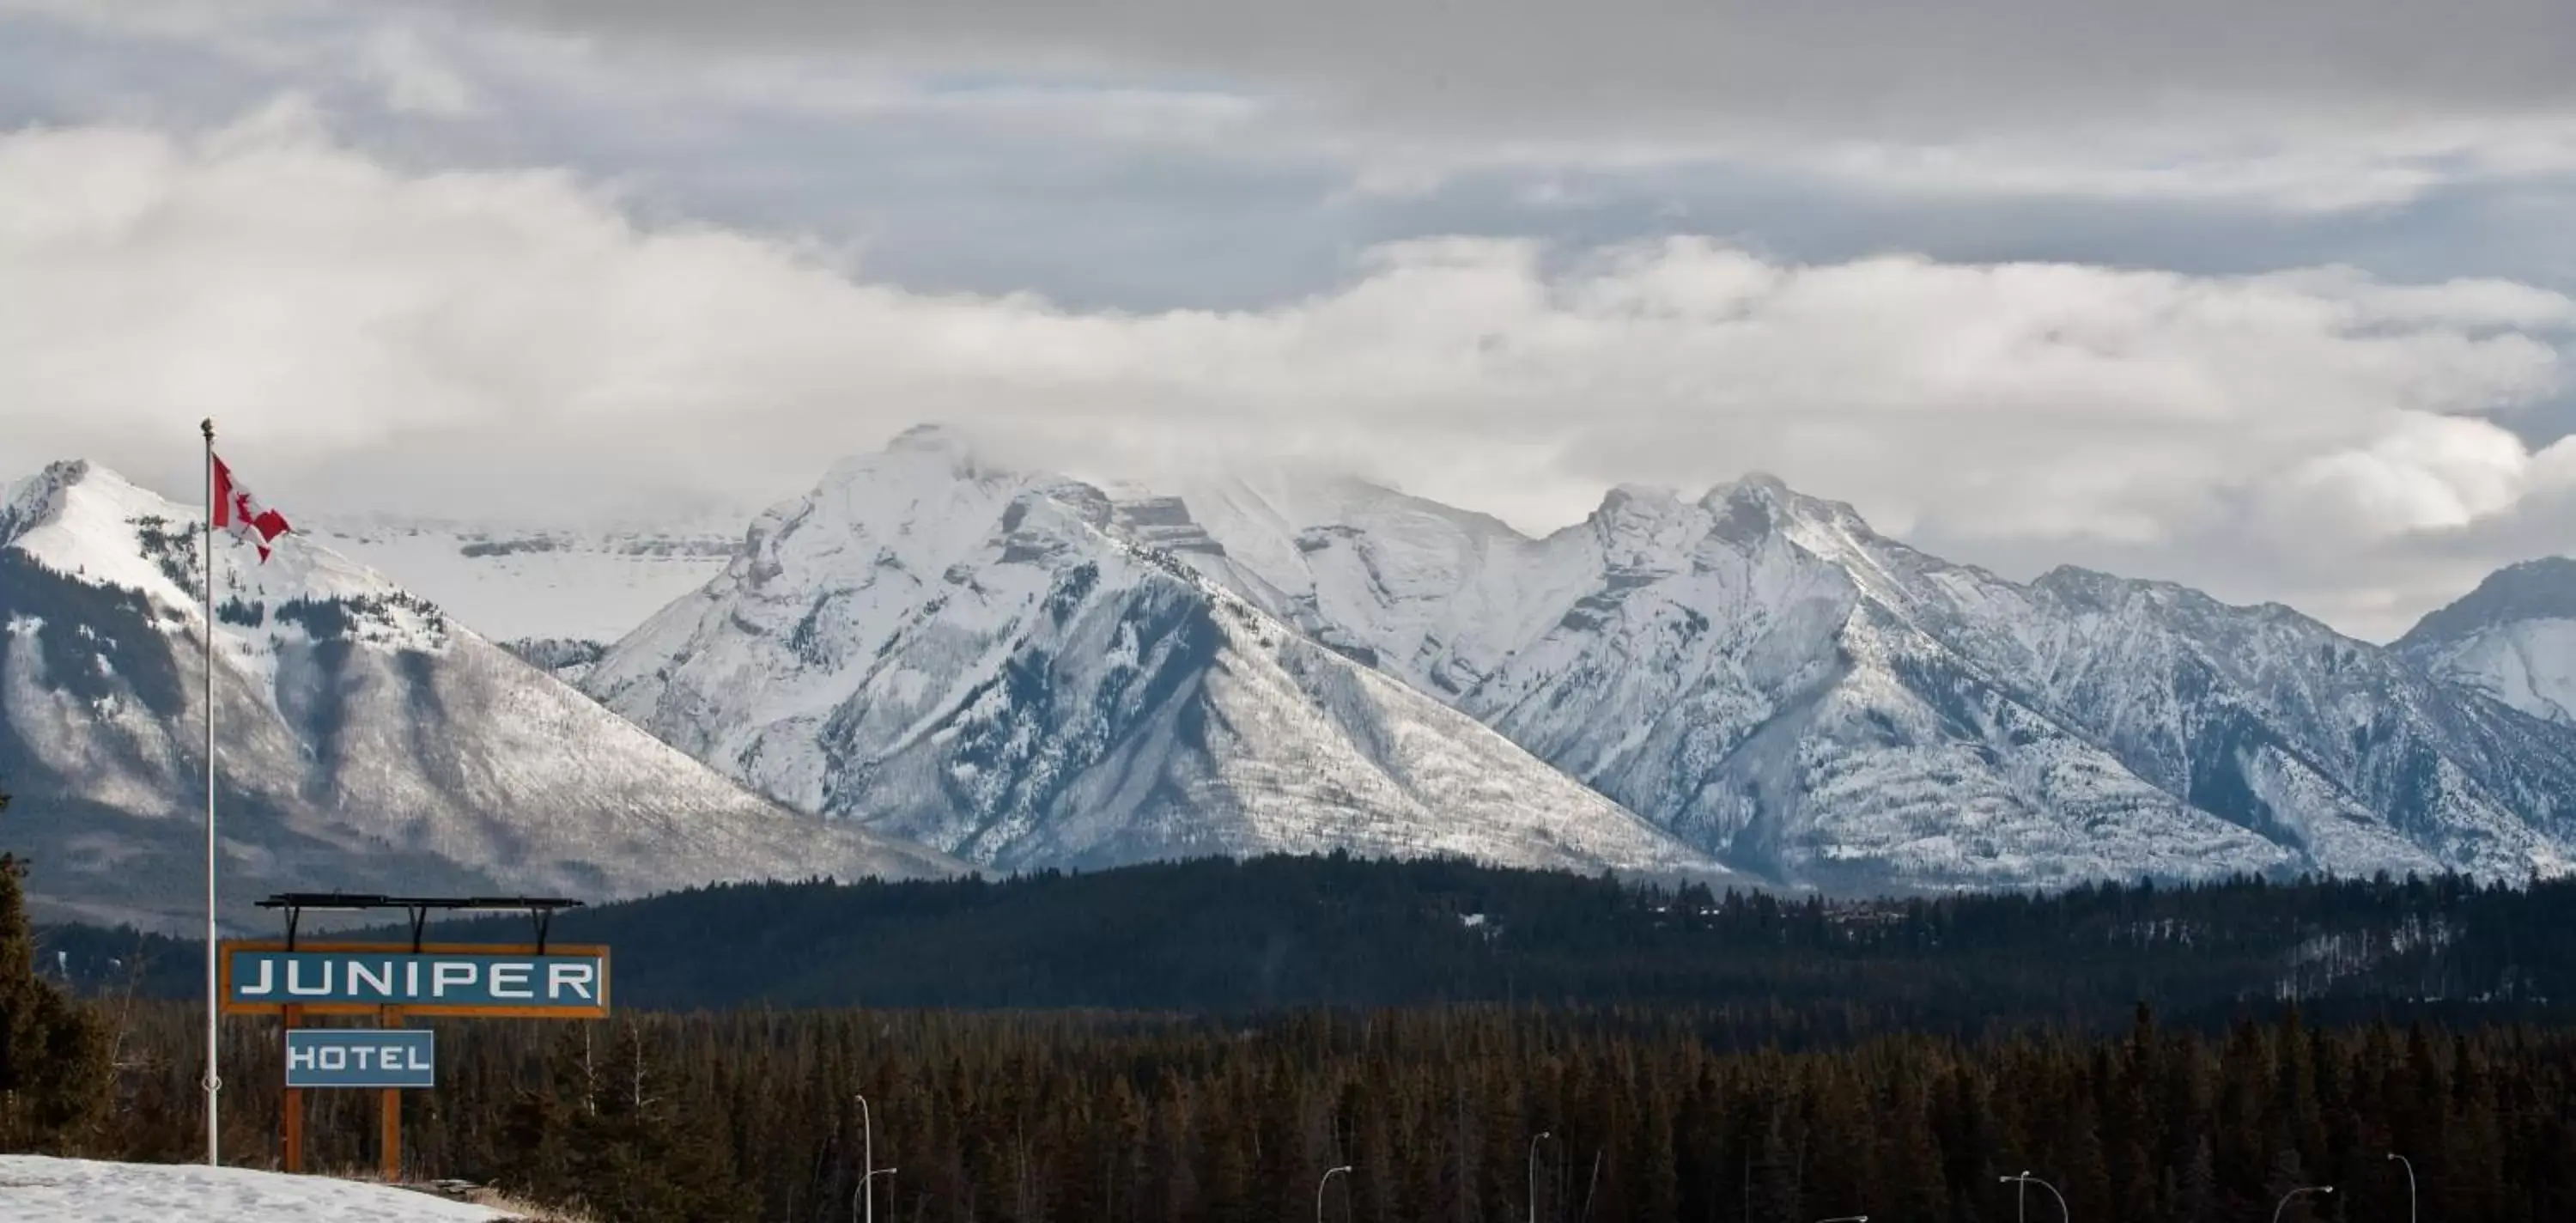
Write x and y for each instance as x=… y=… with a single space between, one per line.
x=293 y=1018
x=390 y=1119
x=393 y=982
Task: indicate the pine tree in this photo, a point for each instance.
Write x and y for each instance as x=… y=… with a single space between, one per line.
x=1175 y=1158
x=536 y=1131
x=1777 y=1169
x=54 y=1072
x=1657 y=1192
x=1841 y=1164
x=2196 y=1186
x=635 y=1154
x=1229 y=1170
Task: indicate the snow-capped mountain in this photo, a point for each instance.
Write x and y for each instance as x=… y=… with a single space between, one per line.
x=2513 y=638
x=1761 y=673
x=1003 y=665
x=367 y=741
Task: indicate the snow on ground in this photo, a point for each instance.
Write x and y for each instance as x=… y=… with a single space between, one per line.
x=37 y=1189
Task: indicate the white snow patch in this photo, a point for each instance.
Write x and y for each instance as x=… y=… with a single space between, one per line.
x=40 y=1189
x=2528 y=664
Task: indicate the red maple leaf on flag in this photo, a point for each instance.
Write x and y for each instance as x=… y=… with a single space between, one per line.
x=237 y=511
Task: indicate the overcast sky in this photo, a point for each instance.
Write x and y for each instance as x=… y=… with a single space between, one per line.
x=2269 y=296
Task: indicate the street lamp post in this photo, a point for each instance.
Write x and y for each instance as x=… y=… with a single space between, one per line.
x=2285 y=1198
x=867 y=1160
x=2027 y=1180
x=1329 y=1174
x=872 y=1174
x=1533 y=1172
x=2410 y=1183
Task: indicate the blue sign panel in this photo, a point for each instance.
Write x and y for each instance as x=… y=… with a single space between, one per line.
x=361 y=1057
x=429 y=982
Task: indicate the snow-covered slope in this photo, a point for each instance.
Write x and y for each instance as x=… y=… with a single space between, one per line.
x=2513 y=638
x=1009 y=667
x=1764 y=675
x=40 y=1189
x=367 y=741
x=514 y=582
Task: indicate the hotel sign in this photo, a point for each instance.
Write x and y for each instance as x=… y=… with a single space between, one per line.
x=361 y=1057
x=434 y=979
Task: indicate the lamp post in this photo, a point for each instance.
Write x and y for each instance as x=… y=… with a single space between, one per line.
x=2410 y=1184
x=1329 y=1174
x=2285 y=1198
x=2027 y=1180
x=871 y=1198
x=1533 y=1172
x=868 y=1159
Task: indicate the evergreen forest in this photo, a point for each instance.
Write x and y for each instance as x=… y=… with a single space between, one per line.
x=1204 y=1042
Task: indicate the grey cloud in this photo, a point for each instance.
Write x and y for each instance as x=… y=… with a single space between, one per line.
x=1881 y=66
x=939 y=186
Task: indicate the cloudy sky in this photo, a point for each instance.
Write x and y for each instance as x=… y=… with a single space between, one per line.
x=2269 y=296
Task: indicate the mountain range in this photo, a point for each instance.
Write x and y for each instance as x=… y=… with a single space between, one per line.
x=932 y=662
x=970 y=656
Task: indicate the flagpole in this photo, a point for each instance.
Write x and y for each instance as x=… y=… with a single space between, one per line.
x=214 y=1078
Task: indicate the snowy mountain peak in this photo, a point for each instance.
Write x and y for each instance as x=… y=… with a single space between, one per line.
x=85 y=521
x=929 y=436
x=1765 y=482
x=39 y=497
x=937 y=442
x=2542 y=589
x=71 y=494
x=1647 y=527
x=2513 y=638
x=2078 y=586
x=1624 y=498
x=923 y=454
x=1824 y=525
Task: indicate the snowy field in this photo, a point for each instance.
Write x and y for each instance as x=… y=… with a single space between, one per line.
x=35 y=1189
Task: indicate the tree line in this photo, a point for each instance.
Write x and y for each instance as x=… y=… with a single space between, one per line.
x=1334 y=931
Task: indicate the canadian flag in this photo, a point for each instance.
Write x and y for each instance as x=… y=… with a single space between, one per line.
x=237 y=511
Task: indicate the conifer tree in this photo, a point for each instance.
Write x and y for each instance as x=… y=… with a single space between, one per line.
x=2196 y=1187
x=54 y=1073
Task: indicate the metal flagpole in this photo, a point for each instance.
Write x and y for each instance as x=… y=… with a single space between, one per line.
x=214 y=1078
